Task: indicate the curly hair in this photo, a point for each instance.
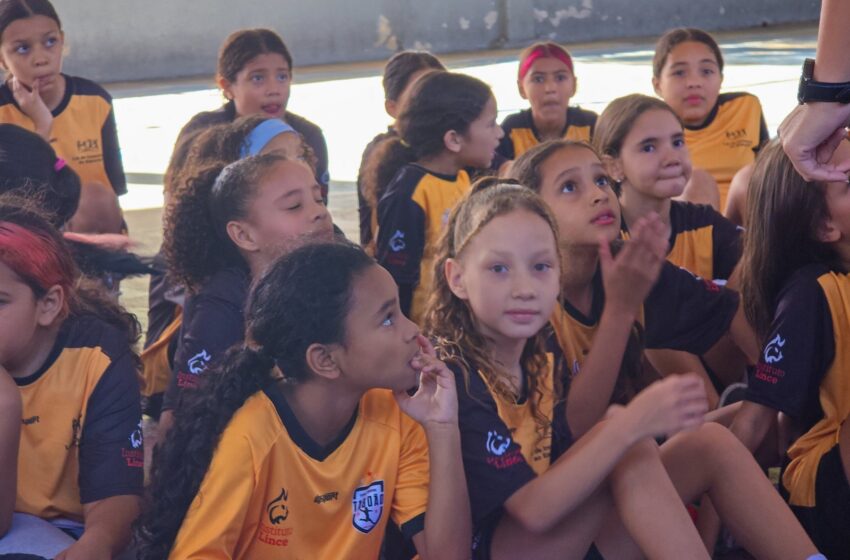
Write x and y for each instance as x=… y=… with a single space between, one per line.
x=451 y=320
x=221 y=143
x=633 y=376
x=438 y=102
x=195 y=241
x=304 y=298
x=36 y=252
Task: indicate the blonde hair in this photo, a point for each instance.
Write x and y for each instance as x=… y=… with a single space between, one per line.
x=451 y=320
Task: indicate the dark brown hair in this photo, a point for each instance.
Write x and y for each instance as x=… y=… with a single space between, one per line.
x=784 y=214
x=618 y=118
x=674 y=37
x=402 y=66
x=244 y=45
x=13 y=10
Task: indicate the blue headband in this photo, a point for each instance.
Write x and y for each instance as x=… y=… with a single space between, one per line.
x=262 y=135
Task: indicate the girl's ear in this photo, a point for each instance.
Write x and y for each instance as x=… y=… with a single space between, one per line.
x=614 y=167
x=454 y=278
x=391 y=107
x=242 y=234
x=453 y=141
x=656 y=85
x=828 y=232
x=50 y=306
x=321 y=361
x=575 y=86
x=225 y=86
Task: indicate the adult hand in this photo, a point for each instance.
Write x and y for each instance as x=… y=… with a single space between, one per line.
x=810 y=134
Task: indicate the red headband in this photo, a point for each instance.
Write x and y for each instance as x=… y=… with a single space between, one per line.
x=544 y=51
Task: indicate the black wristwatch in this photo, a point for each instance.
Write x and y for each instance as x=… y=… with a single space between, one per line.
x=810 y=90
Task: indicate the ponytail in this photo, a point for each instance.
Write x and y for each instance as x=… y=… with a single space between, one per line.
x=383 y=164
x=184 y=457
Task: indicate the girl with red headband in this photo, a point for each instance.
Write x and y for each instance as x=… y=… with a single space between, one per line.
x=67 y=351
x=548 y=81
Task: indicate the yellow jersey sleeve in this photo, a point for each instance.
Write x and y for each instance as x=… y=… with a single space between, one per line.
x=411 y=494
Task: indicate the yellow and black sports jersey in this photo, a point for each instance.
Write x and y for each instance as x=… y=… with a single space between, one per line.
x=83 y=133
x=681 y=312
x=729 y=139
x=412 y=215
x=521 y=135
x=272 y=492
x=503 y=448
x=803 y=370
x=701 y=240
x=81 y=438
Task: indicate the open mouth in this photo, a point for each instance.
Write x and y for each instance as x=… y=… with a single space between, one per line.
x=603 y=219
x=272 y=109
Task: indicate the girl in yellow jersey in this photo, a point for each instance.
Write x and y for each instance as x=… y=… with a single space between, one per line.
x=448 y=123
x=796 y=288
x=305 y=442
x=723 y=131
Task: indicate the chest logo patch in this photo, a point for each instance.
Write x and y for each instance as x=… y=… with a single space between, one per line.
x=773 y=350
x=367 y=505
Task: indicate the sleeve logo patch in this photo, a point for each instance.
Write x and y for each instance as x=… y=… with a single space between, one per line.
x=198 y=363
x=773 y=350
x=136 y=438
x=367 y=505
x=397 y=241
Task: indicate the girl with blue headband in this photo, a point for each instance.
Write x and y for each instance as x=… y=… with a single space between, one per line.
x=225 y=221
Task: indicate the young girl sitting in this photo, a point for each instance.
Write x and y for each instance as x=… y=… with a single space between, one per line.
x=69 y=351
x=612 y=306
x=795 y=284
x=400 y=73
x=643 y=149
x=723 y=131
x=223 y=229
x=299 y=448
x=533 y=493
x=547 y=80
x=255 y=74
x=447 y=123
x=74 y=114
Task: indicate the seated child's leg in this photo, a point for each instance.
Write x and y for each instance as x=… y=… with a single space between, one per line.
x=33 y=535
x=98 y=212
x=669 y=362
x=711 y=460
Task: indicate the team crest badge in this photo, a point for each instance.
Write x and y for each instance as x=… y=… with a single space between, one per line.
x=367 y=505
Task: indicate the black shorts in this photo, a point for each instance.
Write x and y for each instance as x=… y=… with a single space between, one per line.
x=828 y=523
x=482 y=538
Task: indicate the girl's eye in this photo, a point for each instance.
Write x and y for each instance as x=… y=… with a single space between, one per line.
x=283 y=77
x=542 y=267
x=568 y=187
x=537 y=79
x=707 y=71
x=388 y=320
x=678 y=142
x=562 y=77
x=51 y=41
x=22 y=49
x=647 y=148
x=257 y=78
x=499 y=268
x=678 y=73
x=603 y=181
x=296 y=207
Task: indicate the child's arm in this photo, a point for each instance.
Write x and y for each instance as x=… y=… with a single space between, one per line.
x=668 y=406
x=448 y=521
x=628 y=279
x=112 y=162
x=32 y=105
x=10 y=435
x=107 y=531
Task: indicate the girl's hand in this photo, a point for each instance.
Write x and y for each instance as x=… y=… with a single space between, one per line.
x=674 y=404
x=33 y=106
x=435 y=401
x=628 y=277
x=109 y=241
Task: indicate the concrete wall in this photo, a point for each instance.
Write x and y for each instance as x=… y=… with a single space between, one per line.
x=116 y=40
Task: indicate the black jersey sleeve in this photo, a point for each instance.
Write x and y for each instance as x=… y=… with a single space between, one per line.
x=797 y=352
x=727 y=244
x=494 y=464
x=112 y=155
x=111 y=454
x=683 y=312
x=212 y=323
x=401 y=240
